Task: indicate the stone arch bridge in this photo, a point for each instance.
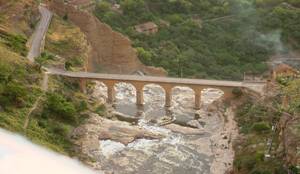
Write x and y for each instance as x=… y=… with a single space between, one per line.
x=167 y=83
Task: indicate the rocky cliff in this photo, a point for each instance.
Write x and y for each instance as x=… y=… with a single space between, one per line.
x=18 y=17
x=111 y=51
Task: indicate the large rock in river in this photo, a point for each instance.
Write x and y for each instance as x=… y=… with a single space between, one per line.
x=86 y=138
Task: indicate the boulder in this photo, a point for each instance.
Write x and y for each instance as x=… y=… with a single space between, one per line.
x=126 y=118
x=194 y=124
x=184 y=130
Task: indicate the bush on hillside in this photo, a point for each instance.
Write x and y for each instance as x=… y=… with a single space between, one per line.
x=261 y=127
x=12 y=93
x=58 y=106
x=237 y=92
x=16 y=43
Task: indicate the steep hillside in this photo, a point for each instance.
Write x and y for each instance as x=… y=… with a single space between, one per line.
x=111 y=52
x=269 y=138
x=208 y=38
x=19 y=16
x=67 y=45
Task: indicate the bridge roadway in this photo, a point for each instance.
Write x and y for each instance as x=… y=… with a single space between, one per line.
x=167 y=83
x=145 y=79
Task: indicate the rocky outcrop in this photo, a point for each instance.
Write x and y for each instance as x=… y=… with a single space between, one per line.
x=20 y=16
x=184 y=130
x=86 y=138
x=111 y=51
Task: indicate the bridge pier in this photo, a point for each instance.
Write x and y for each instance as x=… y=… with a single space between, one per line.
x=197 y=101
x=168 y=94
x=168 y=99
x=139 y=87
x=82 y=85
x=198 y=94
x=110 y=93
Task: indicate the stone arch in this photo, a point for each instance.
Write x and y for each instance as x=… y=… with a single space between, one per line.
x=183 y=94
x=100 y=90
x=154 y=92
x=211 y=94
x=125 y=91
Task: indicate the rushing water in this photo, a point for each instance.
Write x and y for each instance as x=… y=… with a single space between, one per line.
x=177 y=153
x=19 y=156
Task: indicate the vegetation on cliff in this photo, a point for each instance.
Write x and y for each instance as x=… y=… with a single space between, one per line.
x=66 y=45
x=20 y=88
x=209 y=38
x=51 y=114
x=270 y=132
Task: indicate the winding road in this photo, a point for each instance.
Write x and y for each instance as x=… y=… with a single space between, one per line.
x=36 y=41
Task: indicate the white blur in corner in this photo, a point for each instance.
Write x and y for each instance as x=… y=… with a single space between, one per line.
x=19 y=156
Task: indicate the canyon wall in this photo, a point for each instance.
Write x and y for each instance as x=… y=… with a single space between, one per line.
x=111 y=51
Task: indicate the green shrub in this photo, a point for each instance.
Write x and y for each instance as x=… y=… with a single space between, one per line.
x=57 y=105
x=16 y=43
x=73 y=62
x=81 y=106
x=45 y=56
x=13 y=93
x=237 y=92
x=261 y=127
x=60 y=129
x=100 y=109
x=65 y=17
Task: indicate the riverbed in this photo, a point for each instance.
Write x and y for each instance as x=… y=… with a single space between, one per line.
x=195 y=141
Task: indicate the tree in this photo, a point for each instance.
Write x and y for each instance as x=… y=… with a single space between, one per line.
x=102 y=7
x=13 y=93
x=57 y=105
x=133 y=7
x=144 y=55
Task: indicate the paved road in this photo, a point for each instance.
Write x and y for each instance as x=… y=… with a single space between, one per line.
x=39 y=34
x=151 y=79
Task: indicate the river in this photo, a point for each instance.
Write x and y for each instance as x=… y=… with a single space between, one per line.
x=182 y=150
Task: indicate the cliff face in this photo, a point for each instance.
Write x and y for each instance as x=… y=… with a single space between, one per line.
x=111 y=51
x=18 y=16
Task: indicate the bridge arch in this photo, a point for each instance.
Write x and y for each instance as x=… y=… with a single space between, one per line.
x=154 y=92
x=211 y=94
x=184 y=94
x=125 y=91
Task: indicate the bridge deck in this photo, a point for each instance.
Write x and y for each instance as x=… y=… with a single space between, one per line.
x=148 y=79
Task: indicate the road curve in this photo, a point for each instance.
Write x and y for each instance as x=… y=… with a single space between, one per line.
x=39 y=34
